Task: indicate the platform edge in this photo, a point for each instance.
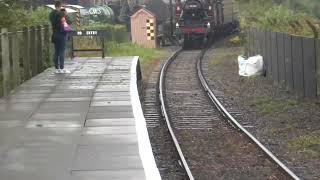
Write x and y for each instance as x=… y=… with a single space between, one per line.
x=145 y=150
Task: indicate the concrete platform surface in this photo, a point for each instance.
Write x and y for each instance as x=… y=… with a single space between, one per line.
x=87 y=125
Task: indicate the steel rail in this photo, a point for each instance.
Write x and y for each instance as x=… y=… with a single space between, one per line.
x=165 y=114
x=222 y=109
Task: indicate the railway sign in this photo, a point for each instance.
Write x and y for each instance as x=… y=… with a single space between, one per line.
x=150 y=29
x=90 y=33
x=95 y=11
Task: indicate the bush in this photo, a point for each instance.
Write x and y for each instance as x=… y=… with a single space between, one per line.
x=40 y=16
x=15 y=16
x=116 y=33
x=12 y=15
x=280 y=18
x=311 y=7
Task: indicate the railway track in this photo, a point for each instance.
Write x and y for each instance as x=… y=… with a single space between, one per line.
x=209 y=141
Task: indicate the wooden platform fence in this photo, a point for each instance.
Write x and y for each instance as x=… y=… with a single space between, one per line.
x=24 y=53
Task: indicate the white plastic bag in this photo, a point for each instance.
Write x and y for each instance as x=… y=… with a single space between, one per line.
x=251 y=66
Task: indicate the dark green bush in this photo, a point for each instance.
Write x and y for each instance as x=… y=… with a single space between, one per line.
x=116 y=33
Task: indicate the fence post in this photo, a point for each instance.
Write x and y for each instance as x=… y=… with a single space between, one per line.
x=268 y=55
x=46 y=43
x=33 y=55
x=26 y=53
x=297 y=65
x=251 y=42
x=248 y=43
x=309 y=67
x=317 y=41
x=280 y=57
x=288 y=60
x=39 y=49
x=5 y=62
x=15 y=60
x=256 y=41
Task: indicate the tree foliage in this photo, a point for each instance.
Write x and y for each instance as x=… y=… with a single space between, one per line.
x=17 y=13
x=308 y=6
x=278 y=15
x=12 y=13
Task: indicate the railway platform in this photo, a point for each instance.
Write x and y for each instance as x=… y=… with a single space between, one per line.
x=79 y=126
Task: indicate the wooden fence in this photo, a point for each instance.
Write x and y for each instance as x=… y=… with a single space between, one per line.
x=23 y=55
x=288 y=59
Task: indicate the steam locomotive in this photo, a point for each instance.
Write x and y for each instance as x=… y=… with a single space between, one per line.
x=198 y=21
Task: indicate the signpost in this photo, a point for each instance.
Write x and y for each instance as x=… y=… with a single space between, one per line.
x=96 y=33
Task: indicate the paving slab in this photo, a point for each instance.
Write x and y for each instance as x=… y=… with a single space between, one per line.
x=63 y=107
x=125 y=174
x=110 y=114
x=10 y=123
x=99 y=161
x=110 y=103
x=68 y=99
x=15 y=115
x=97 y=109
x=109 y=130
x=109 y=122
x=5 y=107
x=55 y=123
x=109 y=140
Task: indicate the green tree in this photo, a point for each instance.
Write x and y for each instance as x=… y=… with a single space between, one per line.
x=12 y=13
x=307 y=6
x=124 y=16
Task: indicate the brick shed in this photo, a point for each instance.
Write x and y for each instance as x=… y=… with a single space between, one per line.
x=143 y=28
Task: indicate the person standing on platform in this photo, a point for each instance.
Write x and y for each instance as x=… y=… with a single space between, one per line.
x=58 y=37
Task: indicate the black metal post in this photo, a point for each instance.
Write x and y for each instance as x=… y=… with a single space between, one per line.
x=171 y=20
x=72 y=48
x=102 y=39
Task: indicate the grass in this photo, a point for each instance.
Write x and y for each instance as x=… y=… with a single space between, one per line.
x=115 y=49
x=268 y=105
x=287 y=127
x=219 y=58
x=215 y=61
x=305 y=142
x=147 y=56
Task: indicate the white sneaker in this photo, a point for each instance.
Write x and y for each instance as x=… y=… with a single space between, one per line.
x=58 y=71
x=65 y=71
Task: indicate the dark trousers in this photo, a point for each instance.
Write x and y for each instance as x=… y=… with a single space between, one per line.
x=59 y=51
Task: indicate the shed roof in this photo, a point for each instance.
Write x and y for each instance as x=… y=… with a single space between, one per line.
x=143 y=10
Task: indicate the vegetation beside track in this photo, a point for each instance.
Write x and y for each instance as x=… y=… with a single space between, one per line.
x=306 y=142
x=283 y=121
x=285 y=16
x=147 y=56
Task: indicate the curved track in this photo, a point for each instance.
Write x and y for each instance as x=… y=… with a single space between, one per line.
x=208 y=147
